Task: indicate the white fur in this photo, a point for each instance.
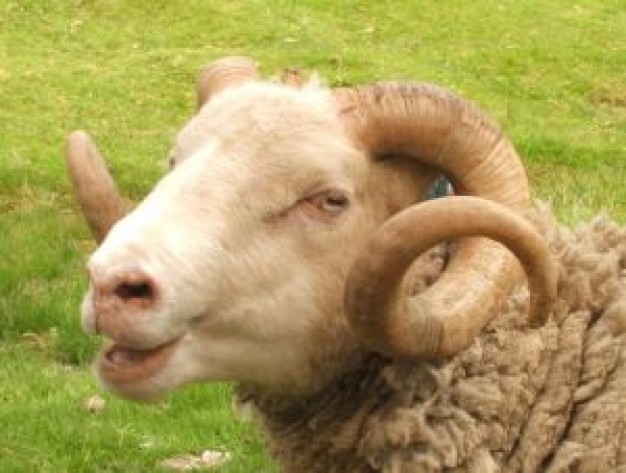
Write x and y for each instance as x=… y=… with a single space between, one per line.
x=245 y=277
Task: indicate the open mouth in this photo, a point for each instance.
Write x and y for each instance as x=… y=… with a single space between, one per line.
x=120 y=365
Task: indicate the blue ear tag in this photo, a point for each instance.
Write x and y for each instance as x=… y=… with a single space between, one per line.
x=440 y=188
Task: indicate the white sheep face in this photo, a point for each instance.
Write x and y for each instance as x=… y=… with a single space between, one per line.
x=233 y=267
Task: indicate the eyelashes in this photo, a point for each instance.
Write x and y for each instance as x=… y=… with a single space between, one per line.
x=330 y=202
x=323 y=207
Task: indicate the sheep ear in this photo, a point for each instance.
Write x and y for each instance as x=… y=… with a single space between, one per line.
x=224 y=73
x=94 y=187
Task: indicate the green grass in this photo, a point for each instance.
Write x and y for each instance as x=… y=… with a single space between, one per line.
x=50 y=429
x=550 y=71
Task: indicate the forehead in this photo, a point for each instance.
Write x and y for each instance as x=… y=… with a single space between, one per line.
x=269 y=127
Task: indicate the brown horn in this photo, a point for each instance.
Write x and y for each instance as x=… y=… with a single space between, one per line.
x=440 y=130
x=93 y=186
x=431 y=324
x=222 y=74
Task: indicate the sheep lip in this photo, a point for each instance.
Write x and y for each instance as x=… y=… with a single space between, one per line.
x=121 y=365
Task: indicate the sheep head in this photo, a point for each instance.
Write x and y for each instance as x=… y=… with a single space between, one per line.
x=277 y=245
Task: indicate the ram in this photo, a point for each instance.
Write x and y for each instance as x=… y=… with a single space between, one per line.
x=291 y=250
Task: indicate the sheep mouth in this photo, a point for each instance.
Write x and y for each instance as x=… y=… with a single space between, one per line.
x=120 y=365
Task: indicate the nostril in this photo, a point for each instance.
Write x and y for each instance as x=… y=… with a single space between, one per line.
x=136 y=290
x=134 y=286
x=125 y=284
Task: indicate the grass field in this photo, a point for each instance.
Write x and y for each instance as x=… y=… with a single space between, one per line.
x=551 y=71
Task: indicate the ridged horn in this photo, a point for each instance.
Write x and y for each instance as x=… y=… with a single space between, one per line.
x=414 y=328
x=94 y=188
x=441 y=130
x=223 y=73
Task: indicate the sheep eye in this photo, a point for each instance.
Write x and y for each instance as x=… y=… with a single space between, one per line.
x=328 y=203
x=323 y=206
x=334 y=202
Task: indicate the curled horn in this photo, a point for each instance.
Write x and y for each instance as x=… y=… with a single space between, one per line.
x=440 y=130
x=94 y=188
x=222 y=74
x=412 y=328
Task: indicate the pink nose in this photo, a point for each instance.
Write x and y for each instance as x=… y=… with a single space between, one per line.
x=128 y=288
